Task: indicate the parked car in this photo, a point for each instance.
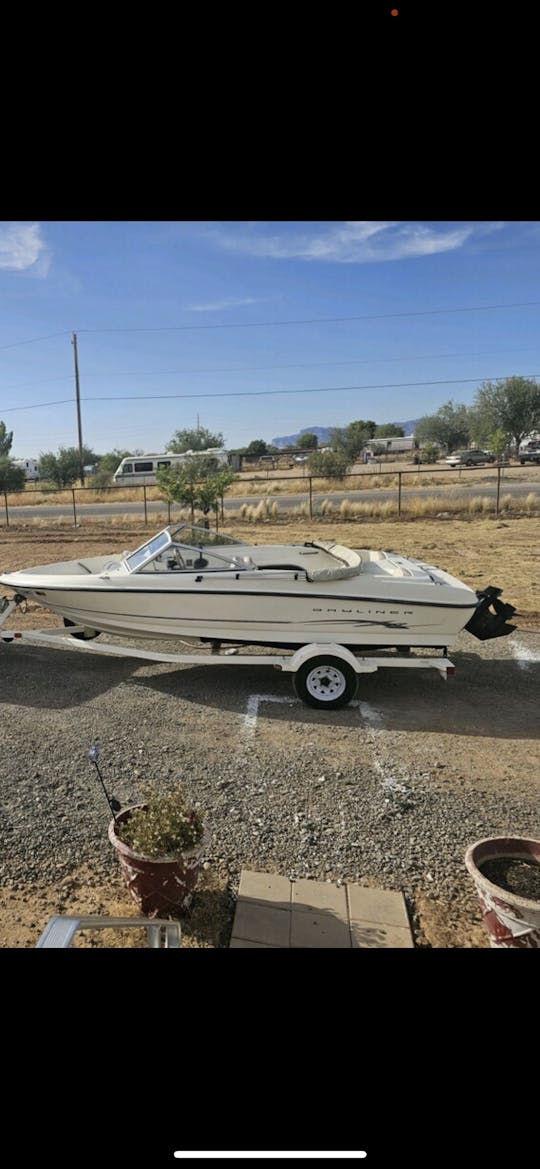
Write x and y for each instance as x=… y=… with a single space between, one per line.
x=470 y=458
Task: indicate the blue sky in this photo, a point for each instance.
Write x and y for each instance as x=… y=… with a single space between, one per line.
x=255 y=329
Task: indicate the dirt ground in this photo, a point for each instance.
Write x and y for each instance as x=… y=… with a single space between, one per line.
x=480 y=552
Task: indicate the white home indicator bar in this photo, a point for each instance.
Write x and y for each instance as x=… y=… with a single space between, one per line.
x=230 y=1156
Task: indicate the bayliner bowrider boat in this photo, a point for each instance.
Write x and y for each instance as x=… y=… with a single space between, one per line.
x=191 y=582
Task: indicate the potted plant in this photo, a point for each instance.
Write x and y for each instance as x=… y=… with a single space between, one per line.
x=506 y=874
x=160 y=843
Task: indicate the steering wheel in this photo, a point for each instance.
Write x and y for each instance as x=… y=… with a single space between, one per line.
x=180 y=562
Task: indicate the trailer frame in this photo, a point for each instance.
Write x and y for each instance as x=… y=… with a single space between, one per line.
x=325 y=675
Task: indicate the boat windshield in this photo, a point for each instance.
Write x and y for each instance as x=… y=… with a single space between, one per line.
x=185 y=534
x=147 y=551
x=196 y=537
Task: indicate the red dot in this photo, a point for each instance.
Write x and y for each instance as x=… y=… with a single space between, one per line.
x=394 y=12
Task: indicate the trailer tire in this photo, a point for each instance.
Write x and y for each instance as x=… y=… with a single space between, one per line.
x=86 y=635
x=326 y=682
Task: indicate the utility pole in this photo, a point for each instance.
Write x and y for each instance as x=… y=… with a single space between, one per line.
x=78 y=399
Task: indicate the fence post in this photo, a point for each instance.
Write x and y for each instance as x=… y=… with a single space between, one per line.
x=310 y=498
x=399 y=494
x=145 y=509
x=168 y=511
x=6 y=507
x=74 y=508
x=498 y=488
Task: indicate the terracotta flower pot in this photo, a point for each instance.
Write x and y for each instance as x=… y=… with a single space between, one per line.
x=506 y=873
x=159 y=885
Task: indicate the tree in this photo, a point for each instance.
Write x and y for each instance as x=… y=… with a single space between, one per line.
x=329 y=464
x=106 y=467
x=194 y=440
x=6 y=439
x=389 y=430
x=352 y=439
x=449 y=427
x=498 y=443
x=308 y=442
x=110 y=461
x=256 y=447
x=513 y=405
x=430 y=453
x=195 y=484
x=64 y=469
x=12 y=478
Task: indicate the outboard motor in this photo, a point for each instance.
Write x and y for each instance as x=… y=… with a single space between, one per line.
x=485 y=624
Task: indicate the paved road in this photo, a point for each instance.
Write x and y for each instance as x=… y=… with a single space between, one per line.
x=460 y=490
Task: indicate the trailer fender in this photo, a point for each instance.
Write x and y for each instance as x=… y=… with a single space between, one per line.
x=315 y=650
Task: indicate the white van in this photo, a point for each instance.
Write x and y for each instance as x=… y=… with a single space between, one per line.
x=140 y=470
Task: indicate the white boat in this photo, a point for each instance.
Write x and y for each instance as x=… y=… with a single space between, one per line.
x=189 y=582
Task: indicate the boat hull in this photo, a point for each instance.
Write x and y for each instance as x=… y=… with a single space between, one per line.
x=294 y=614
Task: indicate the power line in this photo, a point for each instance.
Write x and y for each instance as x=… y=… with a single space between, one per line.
x=270 y=393
x=318 y=320
x=289 y=365
x=36 y=406
x=32 y=340
x=475 y=308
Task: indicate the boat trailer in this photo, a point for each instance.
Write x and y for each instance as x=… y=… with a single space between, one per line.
x=325 y=676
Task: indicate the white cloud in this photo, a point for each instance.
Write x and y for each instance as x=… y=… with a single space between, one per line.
x=356 y=242
x=22 y=248
x=219 y=304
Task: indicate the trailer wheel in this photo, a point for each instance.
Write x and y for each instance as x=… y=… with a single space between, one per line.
x=86 y=635
x=326 y=682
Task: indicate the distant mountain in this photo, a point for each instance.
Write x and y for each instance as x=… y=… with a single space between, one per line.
x=323 y=433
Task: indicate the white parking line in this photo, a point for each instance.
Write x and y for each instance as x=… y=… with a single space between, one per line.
x=249 y=721
x=522 y=653
x=370 y=714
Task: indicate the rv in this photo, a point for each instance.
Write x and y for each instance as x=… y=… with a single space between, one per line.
x=30 y=468
x=392 y=446
x=140 y=470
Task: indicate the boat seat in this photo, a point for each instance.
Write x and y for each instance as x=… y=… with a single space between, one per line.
x=61 y=929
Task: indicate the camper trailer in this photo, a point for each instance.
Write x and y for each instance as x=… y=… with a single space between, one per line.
x=141 y=470
x=30 y=468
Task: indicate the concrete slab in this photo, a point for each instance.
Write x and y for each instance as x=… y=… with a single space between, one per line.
x=240 y=944
x=316 y=930
x=320 y=896
x=255 y=921
x=265 y=887
x=274 y=912
x=377 y=905
x=367 y=935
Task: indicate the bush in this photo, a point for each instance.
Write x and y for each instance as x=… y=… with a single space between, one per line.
x=166 y=825
x=12 y=478
x=329 y=464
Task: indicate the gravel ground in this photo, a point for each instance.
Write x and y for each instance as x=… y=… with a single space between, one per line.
x=389 y=791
